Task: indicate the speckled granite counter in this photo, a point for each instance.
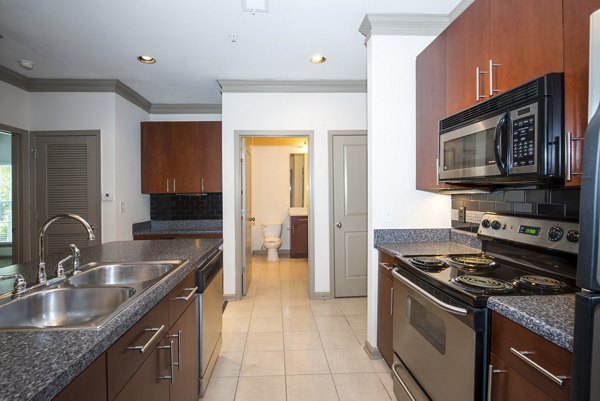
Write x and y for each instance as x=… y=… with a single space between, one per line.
x=426 y=248
x=175 y=227
x=437 y=241
x=37 y=365
x=550 y=316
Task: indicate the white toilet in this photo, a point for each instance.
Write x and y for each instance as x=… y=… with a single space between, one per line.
x=272 y=240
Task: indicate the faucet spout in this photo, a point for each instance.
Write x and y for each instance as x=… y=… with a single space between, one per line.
x=41 y=254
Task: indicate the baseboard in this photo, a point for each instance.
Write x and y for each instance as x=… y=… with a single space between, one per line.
x=264 y=252
x=372 y=352
x=320 y=295
x=230 y=297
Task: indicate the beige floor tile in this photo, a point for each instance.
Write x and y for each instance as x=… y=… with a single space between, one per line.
x=267 y=300
x=264 y=342
x=325 y=308
x=265 y=363
x=388 y=383
x=295 y=311
x=270 y=388
x=233 y=342
x=296 y=300
x=228 y=364
x=352 y=306
x=305 y=362
x=332 y=323
x=360 y=387
x=220 y=389
x=237 y=309
x=266 y=311
x=299 y=324
x=236 y=325
x=311 y=388
x=348 y=361
x=380 y=365
x=301 y=340
x=339 y=340
x=361 y=335
x=357 y=322
x=265 y=325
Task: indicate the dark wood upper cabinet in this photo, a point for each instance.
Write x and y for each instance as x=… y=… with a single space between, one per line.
x=181 y=157
x=576 y=20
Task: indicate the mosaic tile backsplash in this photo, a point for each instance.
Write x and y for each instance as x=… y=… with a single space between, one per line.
x=186 y=207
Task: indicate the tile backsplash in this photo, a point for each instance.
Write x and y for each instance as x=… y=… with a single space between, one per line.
x=186 y=207
x=553 y=203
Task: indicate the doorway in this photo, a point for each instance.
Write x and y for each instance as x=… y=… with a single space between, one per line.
x=7 y=201
x=348 y=180
x=269 y=192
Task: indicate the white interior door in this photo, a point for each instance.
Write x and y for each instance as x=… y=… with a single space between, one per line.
x=247 y=217
x=350 y=215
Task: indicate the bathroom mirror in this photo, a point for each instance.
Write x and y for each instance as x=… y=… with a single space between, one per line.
x=298 y=180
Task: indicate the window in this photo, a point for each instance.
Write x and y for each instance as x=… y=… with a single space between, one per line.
x=5 y=203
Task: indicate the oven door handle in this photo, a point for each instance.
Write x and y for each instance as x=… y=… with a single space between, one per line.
x=500 y=144
x=440 y=304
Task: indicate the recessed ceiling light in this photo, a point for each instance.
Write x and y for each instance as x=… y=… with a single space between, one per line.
x=147 y=59
x=26 y=64
x=317 y=59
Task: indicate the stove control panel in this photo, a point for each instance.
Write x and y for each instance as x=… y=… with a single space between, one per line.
x=550 y=234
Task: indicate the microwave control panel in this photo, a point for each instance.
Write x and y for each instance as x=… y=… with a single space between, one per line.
x=523 y=143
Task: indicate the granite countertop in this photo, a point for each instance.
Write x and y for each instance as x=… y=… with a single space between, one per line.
x=157 y=227
x=550 y=316
x=427 y=248
x=37 y=365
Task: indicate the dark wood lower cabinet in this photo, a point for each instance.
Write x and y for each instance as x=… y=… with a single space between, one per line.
x=145 y=384
x=508 y=384
x=90 y=385
x=385 y=301
x=299 y=237
x=187 y=374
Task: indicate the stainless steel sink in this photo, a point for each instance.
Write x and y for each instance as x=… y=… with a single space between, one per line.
x=121 y=273
x=64 y=307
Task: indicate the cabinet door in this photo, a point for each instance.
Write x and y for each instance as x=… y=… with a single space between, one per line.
x=187 y=374
x=299 y=237
x=90 y=385
x=385 y=300
x=431 y=108
x=145 y=384
x=576 y=16
x=507 y=384
x=526 y=40
x=156 y=157
x=185 y=155
x=467 y=47
x=210 y=145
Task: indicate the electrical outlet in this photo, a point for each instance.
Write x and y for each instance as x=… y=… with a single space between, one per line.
x=122 y=206
x=462 y=214
x=107 y=197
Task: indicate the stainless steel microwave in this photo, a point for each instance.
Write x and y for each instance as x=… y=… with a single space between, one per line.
x=515 y=137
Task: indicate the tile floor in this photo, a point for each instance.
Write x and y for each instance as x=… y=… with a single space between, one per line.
x=280 y=346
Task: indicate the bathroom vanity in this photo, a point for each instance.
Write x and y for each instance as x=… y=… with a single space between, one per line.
x=299 y=237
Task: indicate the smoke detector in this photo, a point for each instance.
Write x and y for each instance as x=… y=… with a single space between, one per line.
x=255 y=6
x=26 y=64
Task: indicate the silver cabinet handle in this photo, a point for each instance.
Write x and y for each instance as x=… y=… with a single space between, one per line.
x=144 y=348
x=443 y=305
x=167 y=185
x=492 y=90
x=202 y=185
x=171 y=377
x=338 y=224
x=392 y=301
x=386 y=266
x=189 y=296
x=478 y=73
x=404 y=387
x=491 y=372
x=174 y=185
x=178 y=336
x=522 y=355
x=569 y=155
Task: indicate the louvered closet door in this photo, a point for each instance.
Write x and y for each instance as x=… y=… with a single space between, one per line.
x=67 y=180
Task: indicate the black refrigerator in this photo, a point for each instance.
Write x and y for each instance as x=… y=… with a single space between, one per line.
x=586 y=341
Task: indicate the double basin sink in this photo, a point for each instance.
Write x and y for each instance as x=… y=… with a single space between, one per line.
x=86 y=300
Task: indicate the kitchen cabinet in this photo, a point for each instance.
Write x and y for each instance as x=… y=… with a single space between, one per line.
x=512 y=376
x=89 y=385
x=299 y=237
x=385 y=302
x=181 y=157
x=576 y=20
x=496 y=45
x=146 y=384
x=185 y=332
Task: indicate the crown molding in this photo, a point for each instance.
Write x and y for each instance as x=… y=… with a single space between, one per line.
x=129 y=94
x=410 y=24
x=267 y=86
x=161 y=108
x=14 y=78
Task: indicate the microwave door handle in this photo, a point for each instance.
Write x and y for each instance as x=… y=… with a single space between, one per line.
x=500 y=144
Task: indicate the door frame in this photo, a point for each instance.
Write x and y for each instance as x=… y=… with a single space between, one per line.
x=22 y=252
x=33 y=201
x=330 y=135
x=238 y=135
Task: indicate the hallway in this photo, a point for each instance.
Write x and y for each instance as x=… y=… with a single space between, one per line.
x=279 y=346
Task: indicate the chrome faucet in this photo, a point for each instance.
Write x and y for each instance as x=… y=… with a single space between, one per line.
x=20 y=284
x=41 y=258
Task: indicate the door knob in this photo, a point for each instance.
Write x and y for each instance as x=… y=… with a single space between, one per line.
x=252 y=219
x=338 y=224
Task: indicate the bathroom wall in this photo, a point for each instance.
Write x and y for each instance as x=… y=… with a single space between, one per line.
x=271 y=184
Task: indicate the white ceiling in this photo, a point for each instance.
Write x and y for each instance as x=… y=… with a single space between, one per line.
x=100 y=39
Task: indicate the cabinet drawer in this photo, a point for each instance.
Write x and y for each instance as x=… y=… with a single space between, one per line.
x=122 y=361
x=509 y=338
x=182 y=296
x=507 y=384
x=385 y=261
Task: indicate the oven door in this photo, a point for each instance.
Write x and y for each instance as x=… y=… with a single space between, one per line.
x=477 y=151
x=439 y=340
